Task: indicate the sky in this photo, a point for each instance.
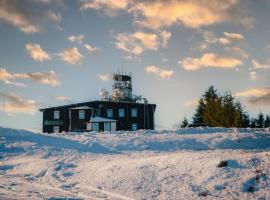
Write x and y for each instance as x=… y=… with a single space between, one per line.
x=56 y=52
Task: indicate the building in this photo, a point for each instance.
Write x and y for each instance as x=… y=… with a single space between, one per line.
x=120 y=111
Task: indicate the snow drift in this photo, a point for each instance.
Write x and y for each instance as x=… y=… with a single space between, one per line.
x=181 y=164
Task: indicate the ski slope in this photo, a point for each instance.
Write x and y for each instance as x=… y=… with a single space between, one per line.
x=180 y=164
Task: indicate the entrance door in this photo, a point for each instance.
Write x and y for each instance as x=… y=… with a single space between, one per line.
x=113 y=126
x=107 y=126
x=88 y=126
x=95 y=126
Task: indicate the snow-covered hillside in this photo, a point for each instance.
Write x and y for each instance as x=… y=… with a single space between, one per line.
x=183 y=164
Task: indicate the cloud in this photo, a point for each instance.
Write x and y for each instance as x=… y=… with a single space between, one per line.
x=36 y=52
x=28 y=15
x=158 y=14
x=263 y=100
x=191 y=13
x=92 y=50
x=104 y=77
x=191 y=103
x=228 y=38
x=5 y=75
x=257 y=65
x=105 y=4
x=64 y=99
x=253 y=92
x=56 y=17
x=159 y=72
x=165 y=35
x=209 y=60
x=238 y=51
x=16 y=16
x=234 y=36
x=7 y=78
x=12 y=103
x=136 y=43
x=48 y=78
x=256 y=96
x=209 y=37
x=71 y=56
x=253 y=76
x=76 y=38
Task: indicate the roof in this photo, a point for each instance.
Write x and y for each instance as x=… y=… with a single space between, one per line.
x=69 y=106
x=101 y=119
x=81 y=108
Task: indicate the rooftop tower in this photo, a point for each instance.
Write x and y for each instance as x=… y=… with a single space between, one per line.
x=122 y=87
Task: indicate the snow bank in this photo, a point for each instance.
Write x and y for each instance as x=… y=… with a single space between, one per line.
x=179 y=164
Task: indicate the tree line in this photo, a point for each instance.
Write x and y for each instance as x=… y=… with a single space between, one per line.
x=215 y=110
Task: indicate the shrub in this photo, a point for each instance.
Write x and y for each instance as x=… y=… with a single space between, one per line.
x=223 y=163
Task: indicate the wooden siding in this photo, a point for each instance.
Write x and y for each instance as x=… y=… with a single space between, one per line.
x=144 y=119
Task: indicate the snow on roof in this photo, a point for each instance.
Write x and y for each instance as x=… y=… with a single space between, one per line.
x=101 y=119
x=81 y=108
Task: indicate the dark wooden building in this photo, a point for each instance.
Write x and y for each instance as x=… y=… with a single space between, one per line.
x=121 y=111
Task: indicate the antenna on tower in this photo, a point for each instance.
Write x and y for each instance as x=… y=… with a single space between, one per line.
x=122 y=68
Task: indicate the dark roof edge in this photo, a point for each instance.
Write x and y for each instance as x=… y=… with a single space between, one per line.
x=79 y=104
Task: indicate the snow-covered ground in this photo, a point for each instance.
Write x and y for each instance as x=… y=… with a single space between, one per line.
x=179 y=164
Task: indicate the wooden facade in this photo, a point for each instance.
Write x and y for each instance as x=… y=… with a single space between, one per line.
x=75 y=117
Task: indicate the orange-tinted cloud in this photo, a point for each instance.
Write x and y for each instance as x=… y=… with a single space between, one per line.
x=104 y=77
x=28 y=15
x=12 y=103
x=47 y=78
x=209 y=60
x=36 y=52
x=256 y=96
x=257 y=65
x=137 y=42
x=77 y=38
x=191 y=13
x=92 y=50
x=71 y=56
x=162 y=73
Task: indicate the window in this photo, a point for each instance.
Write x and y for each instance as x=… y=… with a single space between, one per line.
x=134 y=126
x=56 y=114
x=81 y=114
x=56 y=129
x=134 y=112
x=107 y=126
x=109 y=113
x=121 y=112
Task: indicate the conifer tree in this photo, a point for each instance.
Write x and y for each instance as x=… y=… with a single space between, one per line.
x=245 y=120
x=184 y=123
x=212 y=113
x=198 y=116
x=241 y=117
x=229 y=111
x=220 y=110
x=260 y=120
x=253 y=123
x=267 y=121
